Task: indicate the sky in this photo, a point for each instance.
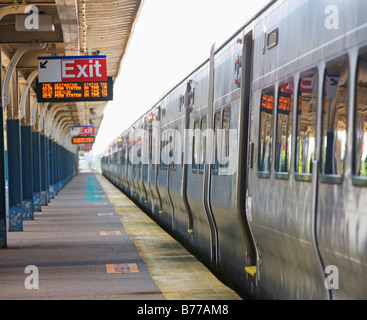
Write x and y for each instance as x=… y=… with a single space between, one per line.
x=170 y=39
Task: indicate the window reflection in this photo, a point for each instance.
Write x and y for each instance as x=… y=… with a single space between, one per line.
x=360 y=131
x=284 y=128
x=334 y=119
x=195 y=146
x=224 y=154
x=266 y=116
x=216 y=128
x=306 y=121
x=203 y=147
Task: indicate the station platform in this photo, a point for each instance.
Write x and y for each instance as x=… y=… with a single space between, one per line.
x=92 y=243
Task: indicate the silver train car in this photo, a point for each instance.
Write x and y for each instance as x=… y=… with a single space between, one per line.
x=266 y=144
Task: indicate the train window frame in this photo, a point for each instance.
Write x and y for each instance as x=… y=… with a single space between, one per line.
x=268 y=122
x=272 y=38
x=175 y=151
x=215 y=167
x=289 y=85
x=333 y=178
x=358 y=180
x=163 y=143
x=306 y=176
x=222 y=168
x=195 y=146
x=202 y=149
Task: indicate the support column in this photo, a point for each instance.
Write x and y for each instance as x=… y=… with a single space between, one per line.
x=36 y=157
x=15 y=175
x=27 y=170
x=27 y=158
x=49 y=167
x=36 y=154
x=15 y=161
x=14 y=135
x=3 y=168
x=44 y=169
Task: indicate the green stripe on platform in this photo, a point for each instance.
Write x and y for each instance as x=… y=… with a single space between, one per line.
x=93 y=191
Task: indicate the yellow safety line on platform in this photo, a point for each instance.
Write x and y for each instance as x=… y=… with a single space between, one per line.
x=178 y=274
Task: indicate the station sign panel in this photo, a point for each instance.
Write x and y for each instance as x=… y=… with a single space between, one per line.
x=82 y=131
x=86 y=147
x=72 y=69
x=82 y=140
x=75 y=91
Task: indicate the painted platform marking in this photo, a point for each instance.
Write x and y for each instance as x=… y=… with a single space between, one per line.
x=122 y=268
x=110 y=233
x=105 y=214
x=93 y=191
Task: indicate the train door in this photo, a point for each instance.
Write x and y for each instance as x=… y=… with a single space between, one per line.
x=154 y=155
x=187 y=154
x=342 y=203
x=208 y=167
x=245 y=156
x=307 y=177
x=145 y=161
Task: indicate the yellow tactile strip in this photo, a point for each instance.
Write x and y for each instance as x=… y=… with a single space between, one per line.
x=178 y=274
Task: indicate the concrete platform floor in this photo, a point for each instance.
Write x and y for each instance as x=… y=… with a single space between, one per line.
x=178 y=274
x=92 y=242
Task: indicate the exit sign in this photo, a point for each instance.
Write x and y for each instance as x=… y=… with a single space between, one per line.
x=72 y=69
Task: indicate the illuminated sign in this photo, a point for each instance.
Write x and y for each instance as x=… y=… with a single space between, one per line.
x=75 y=91
x=267 y=102
x=86 y=147
x=82 y=140
x=284 y=103
x=72 y=69
x=82 y=131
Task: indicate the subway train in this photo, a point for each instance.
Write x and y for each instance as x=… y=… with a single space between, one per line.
x=257 y=160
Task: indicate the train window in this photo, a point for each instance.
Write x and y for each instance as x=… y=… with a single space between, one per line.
x=334 y=119
x=266 y=128
x=216 y=128
x=306 y=124
x=284 y=128
x=195 y=146
x=360 y=123
x=176 y=150
x=203 y=146
x=164 y=142
x=224 y=154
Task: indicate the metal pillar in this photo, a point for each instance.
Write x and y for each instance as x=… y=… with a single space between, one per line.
x=44 y=169
x=3 y=205
x=36 y=154
x=14 y=138
x=27 y=158
x=27 y=170
x=36 y=157
x=15 y=175
x=15 y=161
x=50 y=188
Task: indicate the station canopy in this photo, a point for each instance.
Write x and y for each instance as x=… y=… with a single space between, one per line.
x=81 y=27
